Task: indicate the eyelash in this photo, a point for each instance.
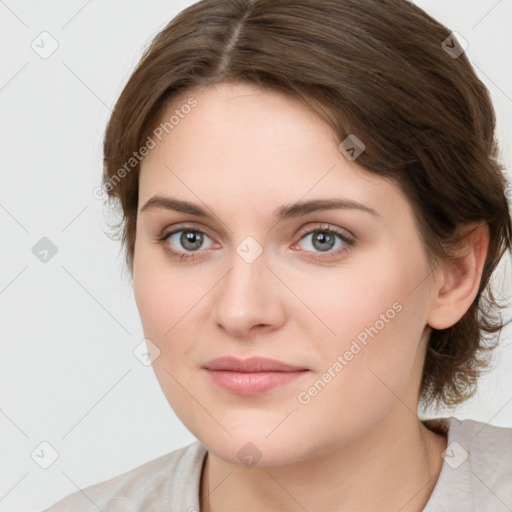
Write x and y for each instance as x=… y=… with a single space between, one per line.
x=347 y=240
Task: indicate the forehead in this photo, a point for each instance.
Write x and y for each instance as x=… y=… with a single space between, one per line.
x=260 y=148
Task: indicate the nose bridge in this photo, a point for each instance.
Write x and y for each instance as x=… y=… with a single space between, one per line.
x=246 y=279
x=246 y=297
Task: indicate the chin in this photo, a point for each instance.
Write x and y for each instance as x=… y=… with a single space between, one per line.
x=257 y=452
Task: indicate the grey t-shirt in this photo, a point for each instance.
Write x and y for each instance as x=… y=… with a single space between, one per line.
x=476 y=476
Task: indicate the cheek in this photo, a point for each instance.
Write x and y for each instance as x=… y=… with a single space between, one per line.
x=162 y=297
x=364 y=302
x=164 y=301
x=372 y=361
x=376 y=315
x=171 y=305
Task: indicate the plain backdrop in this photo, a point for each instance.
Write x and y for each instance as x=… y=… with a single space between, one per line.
x=68 y=375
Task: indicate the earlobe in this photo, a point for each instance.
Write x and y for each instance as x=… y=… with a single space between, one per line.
x=458 y=282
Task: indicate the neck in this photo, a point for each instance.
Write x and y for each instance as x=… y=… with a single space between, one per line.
x=394 y=466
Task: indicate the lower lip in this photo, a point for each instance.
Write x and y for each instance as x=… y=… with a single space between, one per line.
x=243 y=383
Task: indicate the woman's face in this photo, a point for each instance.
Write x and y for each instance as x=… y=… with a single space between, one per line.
x=348 y=311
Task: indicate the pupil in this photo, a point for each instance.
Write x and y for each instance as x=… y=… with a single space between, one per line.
x=195 y=239
x=326 y=241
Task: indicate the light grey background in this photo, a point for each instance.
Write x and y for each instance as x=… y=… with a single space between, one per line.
x=68 y=376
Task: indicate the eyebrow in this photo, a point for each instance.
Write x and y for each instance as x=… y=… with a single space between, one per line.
x=284 y=212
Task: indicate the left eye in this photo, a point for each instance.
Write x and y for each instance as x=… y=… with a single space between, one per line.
x=324 y=240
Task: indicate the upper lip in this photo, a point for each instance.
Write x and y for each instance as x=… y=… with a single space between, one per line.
x=250 y=365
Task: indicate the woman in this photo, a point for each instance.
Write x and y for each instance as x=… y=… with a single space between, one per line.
x=313 y=208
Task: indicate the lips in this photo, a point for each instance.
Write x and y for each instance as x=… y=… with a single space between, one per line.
x=251 y=365
x=251 y=376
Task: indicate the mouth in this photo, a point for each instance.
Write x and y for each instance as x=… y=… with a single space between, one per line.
x=251 y=376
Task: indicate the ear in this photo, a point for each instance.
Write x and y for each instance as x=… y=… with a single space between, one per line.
x=457 y=283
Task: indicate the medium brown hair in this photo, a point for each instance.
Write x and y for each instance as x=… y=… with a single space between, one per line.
x=379 y=69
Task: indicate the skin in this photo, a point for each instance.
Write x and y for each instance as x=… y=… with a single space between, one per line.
x=358 y=444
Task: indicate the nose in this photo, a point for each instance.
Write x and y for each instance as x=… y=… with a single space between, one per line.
x=248 y=299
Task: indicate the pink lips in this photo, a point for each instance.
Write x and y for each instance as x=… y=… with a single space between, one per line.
x=251 y=376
